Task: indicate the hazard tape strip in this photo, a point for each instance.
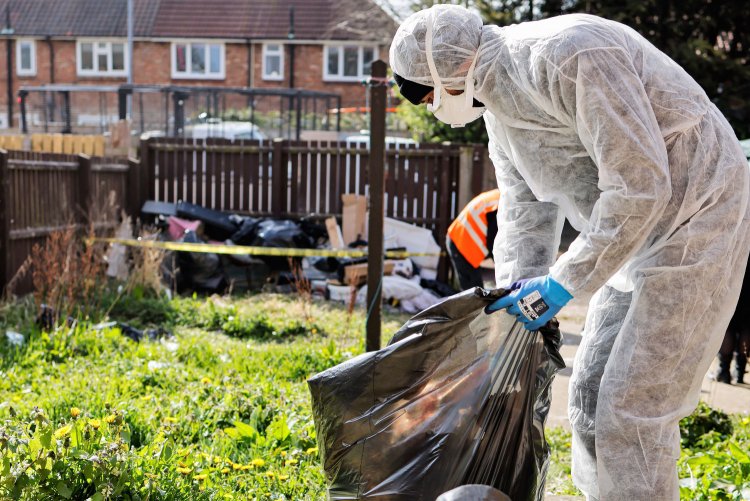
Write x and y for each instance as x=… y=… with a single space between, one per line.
x=245 y=250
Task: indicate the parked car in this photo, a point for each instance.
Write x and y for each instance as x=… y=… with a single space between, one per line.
x=226 y=130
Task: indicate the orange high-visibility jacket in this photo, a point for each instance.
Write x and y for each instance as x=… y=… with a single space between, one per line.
x=469 y=230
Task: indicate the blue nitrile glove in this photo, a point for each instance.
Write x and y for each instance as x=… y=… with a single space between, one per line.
x=534 y=301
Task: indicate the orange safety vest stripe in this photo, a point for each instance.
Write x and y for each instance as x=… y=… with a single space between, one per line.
x=469 y=230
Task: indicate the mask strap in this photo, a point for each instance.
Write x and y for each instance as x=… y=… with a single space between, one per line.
x=431 y=64
x=469 y=84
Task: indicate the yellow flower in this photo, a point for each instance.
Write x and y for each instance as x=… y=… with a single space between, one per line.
x=75 y=412
x=17 y=398
x=257 y=462
x=202 y=476
x=246 y=467
x=64 y=431
x=290 y=462
x=182 y=464
x=314 y=330
x=283 y=454
x=95 y=423
x=225 y=470
x=205 y=380
x=184 y=471
x=170 y=419
x=270 y=474
x=283 y=477
x=146 y=397
x=312 y=450
x=236 y=466
x=110 y=419
x=217 y=459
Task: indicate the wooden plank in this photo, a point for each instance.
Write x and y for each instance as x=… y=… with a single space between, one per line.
x=5 y=216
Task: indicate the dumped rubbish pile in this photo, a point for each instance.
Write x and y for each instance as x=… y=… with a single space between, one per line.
x=409 y=283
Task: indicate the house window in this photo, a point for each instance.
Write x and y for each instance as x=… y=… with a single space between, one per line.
x=347 y=62
x=26 y=57
x=273 y=61
x=97 y=58
x=199 y=60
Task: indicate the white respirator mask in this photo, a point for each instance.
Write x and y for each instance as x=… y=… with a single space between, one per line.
x=455 y=111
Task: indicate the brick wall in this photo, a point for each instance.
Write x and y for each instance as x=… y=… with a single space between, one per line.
x=153 y=66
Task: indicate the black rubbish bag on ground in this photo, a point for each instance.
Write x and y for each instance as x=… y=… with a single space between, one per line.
x=457 y=397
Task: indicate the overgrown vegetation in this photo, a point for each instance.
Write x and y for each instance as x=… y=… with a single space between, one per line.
x=219 y=410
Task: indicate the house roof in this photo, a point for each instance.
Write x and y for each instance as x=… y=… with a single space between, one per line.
x=361 y=20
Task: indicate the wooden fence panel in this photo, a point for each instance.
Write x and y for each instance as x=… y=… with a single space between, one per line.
x=47 y=192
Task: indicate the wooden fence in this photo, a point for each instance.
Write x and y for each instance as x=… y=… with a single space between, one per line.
x=425 y=185
x=44 y=192
x=284 y=178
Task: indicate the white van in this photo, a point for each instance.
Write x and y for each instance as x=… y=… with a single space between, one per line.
x=226 y=130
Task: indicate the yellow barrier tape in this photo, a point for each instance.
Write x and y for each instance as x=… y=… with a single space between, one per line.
x=245 y=250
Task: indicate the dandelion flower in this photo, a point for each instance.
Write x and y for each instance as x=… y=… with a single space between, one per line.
x=95 y=423
x=217 y=459
x=257 y=462
x=110 y=419
x=206 y=380
x=283 y=454
x=246 y=467
x=290 y=462
x=170 y=419
x=236 y=466
x=184 y=471
x=182 y=464
x=283 y=477
x=270 y=474
x=202 y=476
x=225 y=470
x=312 y=450
x=75 y=412
x=63 y=432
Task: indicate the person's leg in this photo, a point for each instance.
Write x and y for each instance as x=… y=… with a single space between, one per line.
x=607 y=310
x=725 y=357
x=468 y=276
x=743 y=350
x=683 y=300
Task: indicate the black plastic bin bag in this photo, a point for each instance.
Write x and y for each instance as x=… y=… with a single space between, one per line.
x=457 y=397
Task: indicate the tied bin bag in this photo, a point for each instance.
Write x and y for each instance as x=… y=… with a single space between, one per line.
x=457 y=397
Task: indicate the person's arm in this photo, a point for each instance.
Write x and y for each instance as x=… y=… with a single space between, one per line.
x=616 y=124
x=528 y=231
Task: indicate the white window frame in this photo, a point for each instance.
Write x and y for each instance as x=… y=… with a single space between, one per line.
x=98 y=72
x=188 y=74
x=327 y=77
x=25 y=72
x=267 y=53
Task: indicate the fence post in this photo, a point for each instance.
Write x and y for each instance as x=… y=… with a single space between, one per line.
x=465 y=175
x=133 y=192
x=84 y=187
x=4 y=221
x=377 y=181
x=278 y=178
x=145 y=176
x=444 y=208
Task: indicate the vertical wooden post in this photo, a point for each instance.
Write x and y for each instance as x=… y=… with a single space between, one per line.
x=5 y=257
x=84 y=188
x=376 y=179
x=146 y=174
x=278 y=178
x=465 y=175
x=134 y=202
x=444 y=216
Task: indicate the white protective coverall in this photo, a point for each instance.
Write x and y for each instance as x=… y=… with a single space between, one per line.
x=588 y=121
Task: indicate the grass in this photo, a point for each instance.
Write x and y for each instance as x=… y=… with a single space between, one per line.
x=221 y=409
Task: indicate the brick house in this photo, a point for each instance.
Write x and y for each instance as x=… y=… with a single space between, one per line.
x=231 y=43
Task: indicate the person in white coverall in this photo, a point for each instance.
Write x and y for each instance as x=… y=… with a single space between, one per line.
x=589 y=121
